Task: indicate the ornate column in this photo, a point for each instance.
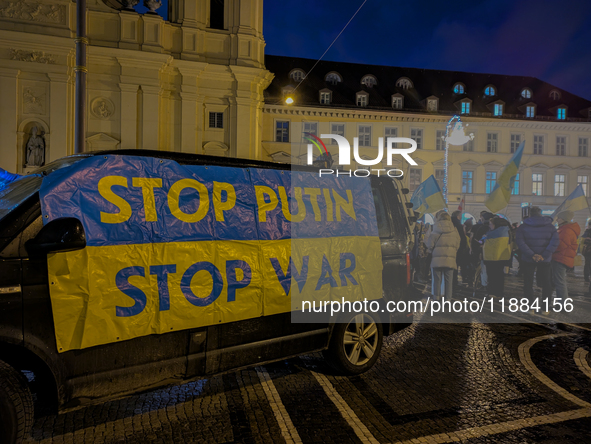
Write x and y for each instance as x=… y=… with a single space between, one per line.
x=9 y=149
x=129 y=115
x=150 y=114
x=58 y=113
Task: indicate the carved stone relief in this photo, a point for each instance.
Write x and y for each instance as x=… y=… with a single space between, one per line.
x=32 y=56
x=33 y=101
x=34 y=12
x=102 y=108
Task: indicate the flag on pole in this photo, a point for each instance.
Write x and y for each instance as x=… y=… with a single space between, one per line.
x=461 y=206
x=428 y=198
x=501 y=193
x=574 y=202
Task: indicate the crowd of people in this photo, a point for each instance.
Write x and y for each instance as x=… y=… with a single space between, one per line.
x=452 y=254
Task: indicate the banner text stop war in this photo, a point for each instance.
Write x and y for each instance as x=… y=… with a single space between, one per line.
x=180 y=246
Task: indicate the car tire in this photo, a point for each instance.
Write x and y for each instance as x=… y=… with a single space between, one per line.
x=355 y=345
x=16 y=405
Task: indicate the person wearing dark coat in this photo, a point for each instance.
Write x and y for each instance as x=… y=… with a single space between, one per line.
x=462 y=255
x=586 y=251
x=479 y=230
x=537 y=239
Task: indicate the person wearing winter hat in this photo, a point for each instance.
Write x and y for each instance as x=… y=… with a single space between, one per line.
x=537 y=239
x=443 y=243
x=563 y=257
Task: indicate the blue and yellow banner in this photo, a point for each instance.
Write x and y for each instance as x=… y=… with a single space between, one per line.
x=428 y=198
x=172 y=247
x=574 y=202
x=501 y=193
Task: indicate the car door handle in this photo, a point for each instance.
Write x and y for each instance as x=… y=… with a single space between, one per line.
x=9 y=290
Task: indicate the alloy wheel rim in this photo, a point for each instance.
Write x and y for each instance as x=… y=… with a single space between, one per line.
x=360 y=340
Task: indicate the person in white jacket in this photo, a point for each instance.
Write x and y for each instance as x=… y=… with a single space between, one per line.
x=443 y=243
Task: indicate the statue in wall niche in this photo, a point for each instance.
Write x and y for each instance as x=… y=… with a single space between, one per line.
x=152 y=5
x=35 y=149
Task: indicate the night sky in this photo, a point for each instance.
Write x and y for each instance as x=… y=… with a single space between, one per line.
x=547 y=39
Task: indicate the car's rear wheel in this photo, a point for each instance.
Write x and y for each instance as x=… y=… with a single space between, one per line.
x=16 y=406
x=355 y=345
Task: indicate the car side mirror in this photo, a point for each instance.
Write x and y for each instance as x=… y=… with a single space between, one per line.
x=59 y=235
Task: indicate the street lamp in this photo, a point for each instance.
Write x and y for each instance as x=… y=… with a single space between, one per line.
x=454 y=135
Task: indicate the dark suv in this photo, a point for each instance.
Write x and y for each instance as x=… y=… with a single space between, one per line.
x=67 y=379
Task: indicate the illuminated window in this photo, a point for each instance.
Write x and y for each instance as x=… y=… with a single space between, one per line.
x=282 y=131
x=526 y=93
x=465 y=108
x=337 y=129
x=404 y=83
x=431 y=105
x=459 y=88
x=297 y=75
x=561 y=146
x=515 y=188
x=439 y=142
x=489 y=91
x=559 y=183
x=515 y=141
x=364 y=135
x=397 y=102
x=492 y=142
x=310 y=128
x=498 y=109
x=583 y=181
x=333 y=78
x=467 y=180
x=583 y=147
x=390 y=133
x=530 y=111
x=369 y=81
x=561 y=114
x=537 y=182
x=415 y=178
x=416 y=134
x=491 y=180
x=216 y=120
x=468 y=146
x=362 y=100
x=539 y=144
x=439 y=175
x=325 y=98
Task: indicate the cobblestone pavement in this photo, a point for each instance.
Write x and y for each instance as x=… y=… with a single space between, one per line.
x=434 y=383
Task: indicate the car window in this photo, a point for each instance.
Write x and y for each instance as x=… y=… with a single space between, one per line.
x=16 y=192
x=381 y=215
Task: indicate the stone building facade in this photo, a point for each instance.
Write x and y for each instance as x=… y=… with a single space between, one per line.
x=193 y=83
x=370 y=102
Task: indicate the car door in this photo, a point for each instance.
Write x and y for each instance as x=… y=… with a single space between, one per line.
x=99 y=371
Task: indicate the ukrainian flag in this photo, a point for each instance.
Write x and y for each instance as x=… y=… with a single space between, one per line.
x=497 y=245
x=428 y=197
x=501 y=193
x=574 y=202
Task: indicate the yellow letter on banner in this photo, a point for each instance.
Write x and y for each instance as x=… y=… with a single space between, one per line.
x=301 y=214
x=264 y=207
x=147 y=185
x=347 y=206
x=314 y=193
x=328 y=200
x=104 y=188
x=220 y=206
x=174 y=196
